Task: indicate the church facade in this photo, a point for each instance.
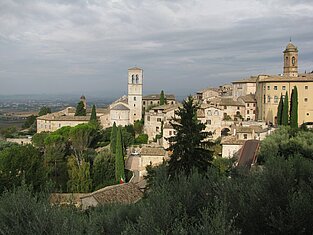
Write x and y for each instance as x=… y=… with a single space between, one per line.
x=269 y=89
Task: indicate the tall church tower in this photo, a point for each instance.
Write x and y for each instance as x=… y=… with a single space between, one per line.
x=291 y=60
x=135 y=81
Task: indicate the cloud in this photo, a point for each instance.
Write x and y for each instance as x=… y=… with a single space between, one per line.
x=183 y=45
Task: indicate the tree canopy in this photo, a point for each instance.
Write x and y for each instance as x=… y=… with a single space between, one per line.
x=294 y=108
x=80 y=109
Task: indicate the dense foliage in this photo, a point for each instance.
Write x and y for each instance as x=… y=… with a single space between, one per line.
x=285 y=112
x=294 y=108
x=80 y=109
x=280 y=111
x=275 y=198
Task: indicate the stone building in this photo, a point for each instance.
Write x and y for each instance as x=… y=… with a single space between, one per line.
x=269 y=89
x=244 y=87
x=153 y=100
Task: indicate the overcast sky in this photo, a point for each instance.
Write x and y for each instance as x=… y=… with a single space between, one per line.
x=86 y=47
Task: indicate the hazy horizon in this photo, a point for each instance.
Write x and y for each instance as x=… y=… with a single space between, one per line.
x=86 y=46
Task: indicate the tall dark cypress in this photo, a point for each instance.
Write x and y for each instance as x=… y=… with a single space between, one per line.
x=294 y=108
x=162 y=98
x=93 y=116
x=285 y=116
x=119 y=158
x=280 y=111
x=113 y=138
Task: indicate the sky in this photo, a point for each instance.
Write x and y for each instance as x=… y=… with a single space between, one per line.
x=86 y=46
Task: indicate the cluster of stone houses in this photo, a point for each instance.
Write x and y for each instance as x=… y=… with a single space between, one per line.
x=236 y=112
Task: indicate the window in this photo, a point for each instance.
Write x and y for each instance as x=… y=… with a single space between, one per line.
x=284 y=88
x=275 y=88
x=268 y=87
x=248 y=105
x=305 y=99
x=293 y=60
x=133 y=79
x=137 y=79
x=157 y=128
x=170 y=132
x=134 y=105
x=208 y=122
x=253 y=111
x=253 y=105
x=158 y=119
x=135 y=98
x=225 y=107
x=245 y=136
x=238 y=108
x=247 y=111
x=209 y=113
x=306 y=87
x=216 y=112
x=144 y=102
x=148 y=118
x=307 y=114
x=268 y=99
x=275 y=99
x=151 y=102
x=264 y=87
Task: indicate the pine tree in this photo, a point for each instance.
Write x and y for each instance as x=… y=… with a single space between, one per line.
x=188 y=143
x=285 y=113
x=162 y=98
x=113 y=138
x=294 y=108
x=280 y=111
x=80 y=109
x=119 y=158
x=93 y=116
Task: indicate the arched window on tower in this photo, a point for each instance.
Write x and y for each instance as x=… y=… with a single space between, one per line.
x=133 y=79
x=293 y=60
x=137 y=79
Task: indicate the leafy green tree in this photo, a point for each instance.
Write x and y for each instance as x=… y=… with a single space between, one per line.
x=113 y=138
x=103 y=170
x=44 y=110
x=280 y=111
x=79 y=176
x=141 y=139
x=188 y=145
x=119 y=158
x=138 y=127
x=294 y=108
x=80 y=109
x=162 y=98
x=21 y=163
x=55 y=160
x=29 y=121
x=81 y=137
x=285 y=116
x=38 y=139
x=93 y=117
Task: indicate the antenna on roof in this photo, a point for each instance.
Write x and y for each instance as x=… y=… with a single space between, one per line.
x=290 y=39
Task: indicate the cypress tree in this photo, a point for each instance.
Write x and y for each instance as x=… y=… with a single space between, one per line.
x=294 y=108
x=119 y=158
x=80 y=109
x=113 y=138
x=188 y=145
x=285 y=115
x=162 y=98
x=280 y=111
x=93 y=116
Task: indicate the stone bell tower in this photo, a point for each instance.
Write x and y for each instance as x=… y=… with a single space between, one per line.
x=291 y=60
x=135 y=82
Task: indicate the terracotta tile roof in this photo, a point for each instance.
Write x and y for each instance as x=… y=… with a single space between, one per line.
x=152 y=151
x=227 y=102
x=120 y=107
x=157 y=97
x=231 y=140
x=306 y=77
x=60 y=117
x=250 y=98
x=251 y=79
x=122 y=193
